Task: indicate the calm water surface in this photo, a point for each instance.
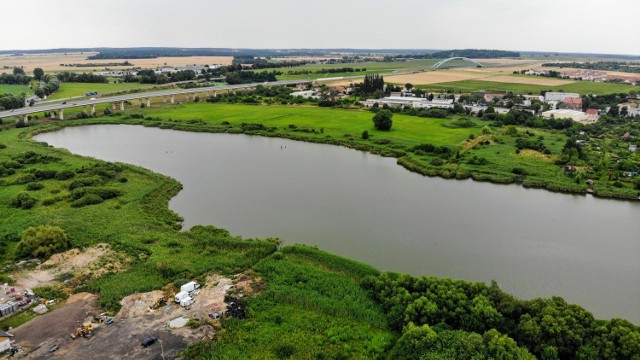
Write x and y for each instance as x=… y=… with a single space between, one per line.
x=533 y=242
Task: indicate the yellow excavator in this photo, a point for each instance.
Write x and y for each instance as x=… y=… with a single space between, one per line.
x=85 y=330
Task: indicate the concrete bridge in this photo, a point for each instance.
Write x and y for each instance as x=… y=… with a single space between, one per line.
x=57 y=110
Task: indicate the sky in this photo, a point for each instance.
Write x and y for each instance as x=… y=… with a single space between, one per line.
x=587 y=26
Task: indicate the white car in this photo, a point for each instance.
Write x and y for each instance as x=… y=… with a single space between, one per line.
x=92 y=99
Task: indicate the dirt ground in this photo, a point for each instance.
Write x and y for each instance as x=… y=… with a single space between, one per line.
x=93 y=261
x=52 y=61
x=133 y=323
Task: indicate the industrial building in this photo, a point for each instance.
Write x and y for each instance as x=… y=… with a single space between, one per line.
x=559 y=96
x=577 y=116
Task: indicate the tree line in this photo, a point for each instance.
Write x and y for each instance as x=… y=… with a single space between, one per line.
x=426 y=308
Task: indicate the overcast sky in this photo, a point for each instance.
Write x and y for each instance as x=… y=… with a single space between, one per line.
x=595 y=26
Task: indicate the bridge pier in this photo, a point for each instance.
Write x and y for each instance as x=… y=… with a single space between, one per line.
x=93 y=109
x=148 y=102
x=61 y=114
x=113 y=106
x=173 y=99
x=121 y=105
x=164 y=99
x=52 y=115
x=215 y=94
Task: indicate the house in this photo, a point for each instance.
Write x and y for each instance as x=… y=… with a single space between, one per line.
x=5 y=341
x=572 y=103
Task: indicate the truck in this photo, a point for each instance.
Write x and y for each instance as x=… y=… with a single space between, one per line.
x=187 y=301
x=180 y=296
x=189 y=287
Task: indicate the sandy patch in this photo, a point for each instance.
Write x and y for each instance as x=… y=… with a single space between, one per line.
x=532 y=80
x=75 y=263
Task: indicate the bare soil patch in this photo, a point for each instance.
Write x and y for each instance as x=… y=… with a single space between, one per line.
x=134 y=322
x=75 y=263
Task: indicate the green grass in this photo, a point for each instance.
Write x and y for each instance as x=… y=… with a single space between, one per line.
x=14 y=89
x=372 y=67
x=80 y=89
x=581 y=87
x=407 y=130
x=313 y=305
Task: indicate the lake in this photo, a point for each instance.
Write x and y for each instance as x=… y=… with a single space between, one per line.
x=535 y=243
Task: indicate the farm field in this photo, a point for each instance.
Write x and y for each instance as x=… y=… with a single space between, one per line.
x=79 y=89
x=14 y=89
x=581 y=87
x=52 y=62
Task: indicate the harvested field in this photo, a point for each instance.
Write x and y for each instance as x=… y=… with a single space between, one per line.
x=53 y=61
x=433 y=77
x=533 y=80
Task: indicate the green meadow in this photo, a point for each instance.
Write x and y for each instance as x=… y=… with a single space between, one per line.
x=14 y=89
x=80 y=89
x=580 y=87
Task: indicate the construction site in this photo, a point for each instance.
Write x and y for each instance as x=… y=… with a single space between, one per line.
x=153 y=325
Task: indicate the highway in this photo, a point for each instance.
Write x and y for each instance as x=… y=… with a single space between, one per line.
x=143 y=95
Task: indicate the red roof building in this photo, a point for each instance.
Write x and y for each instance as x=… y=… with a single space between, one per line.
x=573 y=103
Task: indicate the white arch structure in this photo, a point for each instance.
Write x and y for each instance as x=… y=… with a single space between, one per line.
x=440 y=63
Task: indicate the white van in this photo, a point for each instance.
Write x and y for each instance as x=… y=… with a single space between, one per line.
x=187 y=301
x=181 y=296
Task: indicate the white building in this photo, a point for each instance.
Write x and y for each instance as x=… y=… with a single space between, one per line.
x=5 y=341
x=307 y=94
x=577 y=116
x=559 y=96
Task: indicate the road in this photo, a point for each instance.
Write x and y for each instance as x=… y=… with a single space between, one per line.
x=144 y=95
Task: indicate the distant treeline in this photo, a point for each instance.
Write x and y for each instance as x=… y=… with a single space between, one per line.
x=150 y=53
x=468 y=53
x=601 y=65
x=81 y=77
x=150 y=77
x=8 y=101
x=18 y=79
x=266 y=64
x=125 y=63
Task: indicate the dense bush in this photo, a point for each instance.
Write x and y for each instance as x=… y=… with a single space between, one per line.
x=383 y=120
x=23 y=201
x=35 y=186
x=42 y=242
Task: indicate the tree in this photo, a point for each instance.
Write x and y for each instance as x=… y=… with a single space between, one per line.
x=408 y=86
x=42 y=241
x=38 y=73
x=18 y=71
x=382 y=120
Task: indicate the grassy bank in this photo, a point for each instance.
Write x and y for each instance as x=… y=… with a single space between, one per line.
x=493 y=156
x=311 y=304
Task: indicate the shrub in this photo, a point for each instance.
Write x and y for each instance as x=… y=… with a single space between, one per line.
x=35 y=186
x=89 y=199
x=23 y=201
x=382 y=120
x=365 y=135
x=42 y=241
x=65 y=175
